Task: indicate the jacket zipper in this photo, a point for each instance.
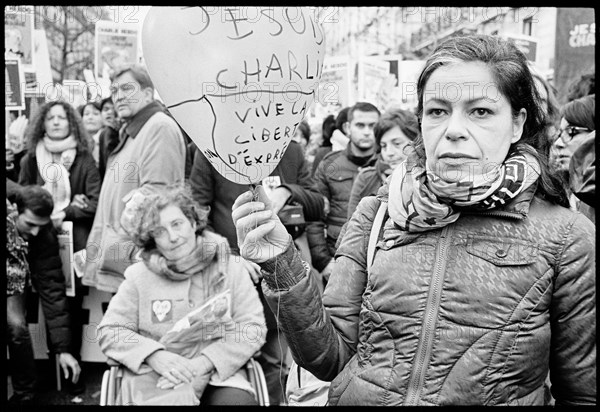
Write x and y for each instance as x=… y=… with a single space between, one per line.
x=497 y=213
x=431 y=311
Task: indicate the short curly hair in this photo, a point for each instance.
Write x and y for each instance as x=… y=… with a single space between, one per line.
x=147 y=215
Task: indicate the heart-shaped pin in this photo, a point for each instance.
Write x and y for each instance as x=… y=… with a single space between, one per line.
x=161 y=308
x=239 y=80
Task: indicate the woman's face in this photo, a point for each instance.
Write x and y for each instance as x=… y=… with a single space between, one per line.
x=56 y=123
x=108 y=114
x=565 y=145
x=393 y=142
x=175 y=235
x=92 y=119
x=467 y=123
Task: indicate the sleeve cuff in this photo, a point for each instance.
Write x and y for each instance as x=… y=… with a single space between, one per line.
x=286 y=270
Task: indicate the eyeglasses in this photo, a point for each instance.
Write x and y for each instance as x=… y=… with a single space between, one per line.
x=568 y=133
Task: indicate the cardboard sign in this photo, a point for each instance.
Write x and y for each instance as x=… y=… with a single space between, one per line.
x=18 y=35
x=238 y=80
x=116 y=45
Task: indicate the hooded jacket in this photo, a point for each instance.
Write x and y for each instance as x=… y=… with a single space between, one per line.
x=474 y=313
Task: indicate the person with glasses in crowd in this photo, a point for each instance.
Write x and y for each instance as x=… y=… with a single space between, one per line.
x=578 y=120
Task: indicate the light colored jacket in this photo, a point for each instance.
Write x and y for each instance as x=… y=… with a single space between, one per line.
x=147 y=305
x=153 y=159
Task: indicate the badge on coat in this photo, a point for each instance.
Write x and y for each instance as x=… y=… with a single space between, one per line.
x=161 y=311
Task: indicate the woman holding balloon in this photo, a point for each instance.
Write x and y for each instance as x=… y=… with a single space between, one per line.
x=477 y=279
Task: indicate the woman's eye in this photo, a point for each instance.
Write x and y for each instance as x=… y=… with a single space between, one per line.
x=159 y=232
x=435 y=112
x=177 y=224
x=480 y=112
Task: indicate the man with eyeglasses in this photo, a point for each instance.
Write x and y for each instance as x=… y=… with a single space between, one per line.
x=150 y=154
x=578 y=120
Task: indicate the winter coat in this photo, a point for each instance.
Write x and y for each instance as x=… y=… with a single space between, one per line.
x=367 y=183
x=84 y=179
x=132 y=325
x=474 y=313
x=150 y=156
x=333 y=179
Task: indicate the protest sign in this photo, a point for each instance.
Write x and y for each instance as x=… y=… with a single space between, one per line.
x=373 y=73
x=18 y=35
x=335 y=88
x=239 y=80
x=14 y=82
x=116 y=45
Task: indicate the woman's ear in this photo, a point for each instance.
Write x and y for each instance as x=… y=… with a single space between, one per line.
x=346 y=127
x=518 y=124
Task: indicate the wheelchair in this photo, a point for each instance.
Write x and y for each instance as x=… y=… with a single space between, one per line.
x=111 y=383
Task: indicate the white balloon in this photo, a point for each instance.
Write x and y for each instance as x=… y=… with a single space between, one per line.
x=239 y=80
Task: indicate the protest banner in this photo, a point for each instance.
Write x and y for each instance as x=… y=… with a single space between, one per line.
x=14 y=81
x=335 y=88
x=238 y=80
x=372 y=74
x=116 y=45
x=575 y=52
x=18 y=35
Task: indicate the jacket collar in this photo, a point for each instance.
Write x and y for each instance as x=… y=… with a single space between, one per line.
x=133 y=126
x=360 y=161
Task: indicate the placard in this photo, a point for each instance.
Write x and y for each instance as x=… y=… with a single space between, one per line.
x=116 y=45
x=14 y=81
x=18 y=35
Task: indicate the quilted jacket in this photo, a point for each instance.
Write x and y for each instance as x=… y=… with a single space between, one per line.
x=477 y=312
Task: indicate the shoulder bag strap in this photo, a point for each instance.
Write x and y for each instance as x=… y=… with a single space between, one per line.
x=375 y=230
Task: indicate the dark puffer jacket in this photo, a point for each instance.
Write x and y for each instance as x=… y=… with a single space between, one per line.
x=474 y=313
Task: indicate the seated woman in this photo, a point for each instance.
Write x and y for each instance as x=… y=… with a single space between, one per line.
x=187 y=318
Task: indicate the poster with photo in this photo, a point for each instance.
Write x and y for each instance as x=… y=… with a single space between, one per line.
x=14 y=81
x=116 y=45
x=18 y=35
x=65 y=243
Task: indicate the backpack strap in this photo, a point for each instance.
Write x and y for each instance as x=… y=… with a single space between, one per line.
x=375 y=231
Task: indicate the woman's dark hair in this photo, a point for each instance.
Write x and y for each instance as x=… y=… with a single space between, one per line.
x=36 y=199
x=553 y=114
x=35 y=132
x=147 y=215
x=509 y=68
x=327 y=130
x=341 y=118
x=104 y=101
x=581 y=112
x=95 y=104
x=304 y=128
x=405 y=120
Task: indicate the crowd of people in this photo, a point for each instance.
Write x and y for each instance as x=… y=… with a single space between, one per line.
x=444 y=255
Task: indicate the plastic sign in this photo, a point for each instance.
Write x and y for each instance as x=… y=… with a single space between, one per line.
x=239 y=80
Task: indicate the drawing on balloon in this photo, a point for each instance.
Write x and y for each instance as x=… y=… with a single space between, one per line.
x=238 y=80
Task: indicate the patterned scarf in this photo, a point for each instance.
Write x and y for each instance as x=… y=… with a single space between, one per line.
x=54 y=160
x=209 y=247
x=420 y=200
